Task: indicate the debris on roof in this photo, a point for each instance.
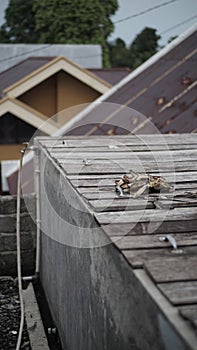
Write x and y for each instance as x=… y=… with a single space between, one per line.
x=138 y=184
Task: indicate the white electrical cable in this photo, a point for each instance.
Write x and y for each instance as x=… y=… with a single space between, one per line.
x=38 y=219
x=19 y=251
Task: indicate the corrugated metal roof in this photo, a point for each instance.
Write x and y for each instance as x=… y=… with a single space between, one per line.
x=111 y=75
x=28 y=66
x=20 y=70
x=164 y=90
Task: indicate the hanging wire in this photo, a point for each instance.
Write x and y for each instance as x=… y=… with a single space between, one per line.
x=19 y=248
x=115 y=22
x=144 y=12
x=178 y=24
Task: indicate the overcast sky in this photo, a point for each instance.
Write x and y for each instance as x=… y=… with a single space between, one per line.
x=162 y=18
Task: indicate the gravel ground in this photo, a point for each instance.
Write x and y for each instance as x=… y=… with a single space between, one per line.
x=10 y=317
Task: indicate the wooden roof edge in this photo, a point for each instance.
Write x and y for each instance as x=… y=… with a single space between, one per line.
x=4 y=99
x=28 y=76
x=25 y=107
x=49 y=65
x=170 y=311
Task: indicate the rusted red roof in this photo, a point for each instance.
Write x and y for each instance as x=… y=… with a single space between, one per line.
x=163 y=89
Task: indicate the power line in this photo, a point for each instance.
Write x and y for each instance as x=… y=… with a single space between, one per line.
x=145 y=11
x=119 y=21
x=25 y=53
x=43 y=48
x=178 y=25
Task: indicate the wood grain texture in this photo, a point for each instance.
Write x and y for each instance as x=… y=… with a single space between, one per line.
x=137 y=258
x=153 y=215
x=175 y=268
x=180 y=292
x=153 y=241
x=190 y=314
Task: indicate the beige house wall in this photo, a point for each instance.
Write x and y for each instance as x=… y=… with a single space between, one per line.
x=10 y=152
x=72 y=92
x=58 y=93
x=42 y=97
x=61 y=95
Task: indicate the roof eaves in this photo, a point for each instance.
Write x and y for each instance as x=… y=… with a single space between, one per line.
x=28 y=114
x=53 y=67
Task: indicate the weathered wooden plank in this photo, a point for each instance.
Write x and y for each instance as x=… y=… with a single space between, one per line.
x=189 y=313
x=138 y=257
x=180 y=292
x=130 y=136
x=104 y=167
x=106 y=199
x=116 y=204
x=177 y=155
x=80 y=141
x=175 y=268
x=165 y=227
x=179 y=177
x=188 y=192
x=98 y=195
x=131 y=160
x=147 y=215
x=60 y=147
x=98 y=189
x=153 y=241
x=110 y=182
x=186 y=185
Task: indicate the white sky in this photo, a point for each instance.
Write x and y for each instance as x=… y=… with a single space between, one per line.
x=161 y=19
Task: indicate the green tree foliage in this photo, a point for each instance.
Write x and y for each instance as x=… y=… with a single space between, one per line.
x=75 y=21
x=59 y=22
x=172 y=38
x=119 y=54
x=20 y=23
x=143 y=47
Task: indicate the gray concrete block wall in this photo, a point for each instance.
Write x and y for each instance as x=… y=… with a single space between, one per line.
x=8 y=235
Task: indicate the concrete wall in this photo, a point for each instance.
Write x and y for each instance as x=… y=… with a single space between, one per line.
x=95 y=298
x=8 y=235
